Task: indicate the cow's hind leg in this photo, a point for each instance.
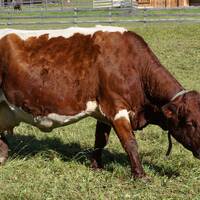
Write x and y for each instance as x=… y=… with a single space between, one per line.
x=123 y=129
x=101 y=139
x=3 y=149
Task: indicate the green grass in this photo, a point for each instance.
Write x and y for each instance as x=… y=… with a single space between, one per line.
x=51 y=166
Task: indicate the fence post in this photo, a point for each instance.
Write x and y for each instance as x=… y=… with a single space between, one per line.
x=75 y=16
x=46 y=5
x=62 y=5
x=110 y=14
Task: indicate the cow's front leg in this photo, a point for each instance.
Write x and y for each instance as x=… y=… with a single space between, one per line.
x=101 y=139
x=3 y=149
x=123 y=129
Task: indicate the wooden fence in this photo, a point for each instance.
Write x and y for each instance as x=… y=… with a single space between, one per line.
x=61 y=15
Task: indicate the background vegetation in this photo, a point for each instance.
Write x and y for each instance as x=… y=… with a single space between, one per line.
x=56 y=165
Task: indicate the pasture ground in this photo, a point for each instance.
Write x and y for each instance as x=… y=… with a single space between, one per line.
x=56 y=165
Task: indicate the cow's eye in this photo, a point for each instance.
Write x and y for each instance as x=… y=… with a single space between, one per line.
x=191 y=125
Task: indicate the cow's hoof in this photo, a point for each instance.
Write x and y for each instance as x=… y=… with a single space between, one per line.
x=3 y=152
x=96 y=166
x=146 y=179
x=143 y=178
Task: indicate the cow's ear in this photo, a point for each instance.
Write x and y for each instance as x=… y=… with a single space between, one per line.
x=170 y=110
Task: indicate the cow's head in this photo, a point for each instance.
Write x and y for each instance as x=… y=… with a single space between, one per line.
x=183 y=115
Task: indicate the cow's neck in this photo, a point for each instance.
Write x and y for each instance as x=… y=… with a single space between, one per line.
x=159 y=85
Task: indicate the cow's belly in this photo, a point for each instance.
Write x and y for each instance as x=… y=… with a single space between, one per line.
x=11 y=116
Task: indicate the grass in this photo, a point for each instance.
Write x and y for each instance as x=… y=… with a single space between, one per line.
x=56 y=165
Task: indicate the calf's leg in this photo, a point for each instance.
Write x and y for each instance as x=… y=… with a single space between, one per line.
x=123 y=129
x=101 y=139
x=3 y=149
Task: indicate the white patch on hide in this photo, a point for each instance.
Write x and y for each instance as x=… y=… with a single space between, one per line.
x=91 y=107
x=122 y=114
x=24 y=34
x=11 y=116
x=44 y=122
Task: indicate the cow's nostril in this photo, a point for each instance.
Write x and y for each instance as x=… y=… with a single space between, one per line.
x=197 y=154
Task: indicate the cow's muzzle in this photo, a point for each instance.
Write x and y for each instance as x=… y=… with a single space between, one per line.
x=197 y=154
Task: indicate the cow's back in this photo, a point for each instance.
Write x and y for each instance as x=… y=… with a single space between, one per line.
x=50 y=75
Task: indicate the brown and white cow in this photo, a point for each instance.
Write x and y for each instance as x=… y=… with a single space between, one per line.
x=53 y=78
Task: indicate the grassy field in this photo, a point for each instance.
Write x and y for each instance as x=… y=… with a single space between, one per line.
x=56 y=165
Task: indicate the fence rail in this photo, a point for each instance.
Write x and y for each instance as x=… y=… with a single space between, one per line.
x=102 y=22
x=76 y=12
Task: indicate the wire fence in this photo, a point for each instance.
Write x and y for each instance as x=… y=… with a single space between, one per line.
x=49 y=5
x=87 y=12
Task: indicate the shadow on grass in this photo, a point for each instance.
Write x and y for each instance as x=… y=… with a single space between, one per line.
x=27 y=146
x=162 y=170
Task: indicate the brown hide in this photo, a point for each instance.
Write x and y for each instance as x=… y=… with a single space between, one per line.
x=50 y=76
x=117 y=71
x=60 y=75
